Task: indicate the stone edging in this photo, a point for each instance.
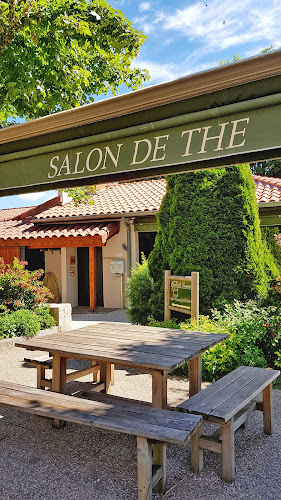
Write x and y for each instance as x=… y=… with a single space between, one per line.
x=9 y=343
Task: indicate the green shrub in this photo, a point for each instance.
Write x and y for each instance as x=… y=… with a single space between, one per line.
x=171 y=323
x=138 y=293
x=20 y=288
x=268 y=234
x=209 y=222
x=44 y=317
x=17 y=323
x=274 y=295
x=255 y=339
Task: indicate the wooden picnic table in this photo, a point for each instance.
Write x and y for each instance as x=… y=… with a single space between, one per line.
x=158 y=350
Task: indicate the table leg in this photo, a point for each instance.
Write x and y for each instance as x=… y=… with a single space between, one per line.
x=195 y=375
x=58 y=381
x=267 y=409
x=159 y=389
x=105 y=375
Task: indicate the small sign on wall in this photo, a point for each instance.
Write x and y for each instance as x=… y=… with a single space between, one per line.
x=72 y=266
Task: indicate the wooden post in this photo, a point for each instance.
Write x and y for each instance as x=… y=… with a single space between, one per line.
x=96 y=375
x=105 y=375
x=167 y=311
x=228 y=451
x=195 y=375
x=267 y=409
x=92 y=278
x=144 y=457
x=40 y=376
x=59 y=382
x=160 y=458
x=159 y=389
x=195 y=296
x=196 y=452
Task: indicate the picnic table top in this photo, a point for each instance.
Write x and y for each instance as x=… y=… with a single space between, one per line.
x=127 y=345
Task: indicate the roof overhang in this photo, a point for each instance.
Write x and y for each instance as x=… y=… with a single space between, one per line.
x=60 y=235
x=224 y=116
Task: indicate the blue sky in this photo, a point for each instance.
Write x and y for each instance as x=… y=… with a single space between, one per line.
x=187 y=36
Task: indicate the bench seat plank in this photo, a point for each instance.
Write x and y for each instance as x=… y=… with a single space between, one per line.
x=39 y=360
x=225 y=398
x=146 y=422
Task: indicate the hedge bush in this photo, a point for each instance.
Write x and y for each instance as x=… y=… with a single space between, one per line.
x=209 y=222
x=139 y=288
x=24 y=322
x=255 y=338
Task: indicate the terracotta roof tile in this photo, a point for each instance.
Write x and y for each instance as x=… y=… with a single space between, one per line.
x=24 y=229
x=129 y=197
x=11 y=213
x=268 y=189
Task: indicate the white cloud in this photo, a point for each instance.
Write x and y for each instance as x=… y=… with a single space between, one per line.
x=232 y=23
x=159 y=72
x=221 y=24
x=144 y=6
x=38 y=197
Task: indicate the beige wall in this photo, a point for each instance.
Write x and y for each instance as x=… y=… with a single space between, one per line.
x=69 y=277
x=112 y=284
x=53 y=264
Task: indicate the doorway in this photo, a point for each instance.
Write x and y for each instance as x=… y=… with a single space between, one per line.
x=83 y=277
x=146 y=242
x=35 y=259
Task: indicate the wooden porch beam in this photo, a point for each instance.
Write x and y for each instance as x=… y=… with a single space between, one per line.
x=70 y=242
x=92 y=277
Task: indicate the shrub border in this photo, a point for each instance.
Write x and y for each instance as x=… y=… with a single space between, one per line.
x=9 y=343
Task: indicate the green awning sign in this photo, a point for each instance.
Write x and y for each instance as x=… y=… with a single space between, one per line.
x=214 y=137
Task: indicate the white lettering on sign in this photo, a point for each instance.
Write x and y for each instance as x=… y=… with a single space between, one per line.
x=98 y=162
x=156 y=147
x=54 y=167
x=109 y=152
x=219 y=137
x=76 y=171
x=189 y=137
x=65 y=165
x=196 y=141
x=234 y=133
x=149 y=147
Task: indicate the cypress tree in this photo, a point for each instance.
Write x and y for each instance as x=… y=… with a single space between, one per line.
x=209 y=222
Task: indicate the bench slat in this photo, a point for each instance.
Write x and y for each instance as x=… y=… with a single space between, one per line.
x=223 y=399
x=110 y=410
x=47 y=362
x=149 y=423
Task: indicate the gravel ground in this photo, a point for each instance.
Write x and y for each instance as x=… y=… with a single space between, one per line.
x=81 y=463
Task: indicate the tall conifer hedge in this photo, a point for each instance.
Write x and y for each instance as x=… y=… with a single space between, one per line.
x=209 y=222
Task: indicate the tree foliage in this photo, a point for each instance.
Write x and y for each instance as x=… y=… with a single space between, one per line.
x=60 y=54
x=209 y=222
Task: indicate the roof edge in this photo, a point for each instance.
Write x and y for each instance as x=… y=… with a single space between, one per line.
x=95 y=218
x=245 y=71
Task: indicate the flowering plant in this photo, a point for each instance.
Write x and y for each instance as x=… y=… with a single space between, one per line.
x=20 y=288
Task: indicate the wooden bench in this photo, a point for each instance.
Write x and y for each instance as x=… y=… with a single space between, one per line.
x=227 y=404
x=42 y=364
x=153 y=428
